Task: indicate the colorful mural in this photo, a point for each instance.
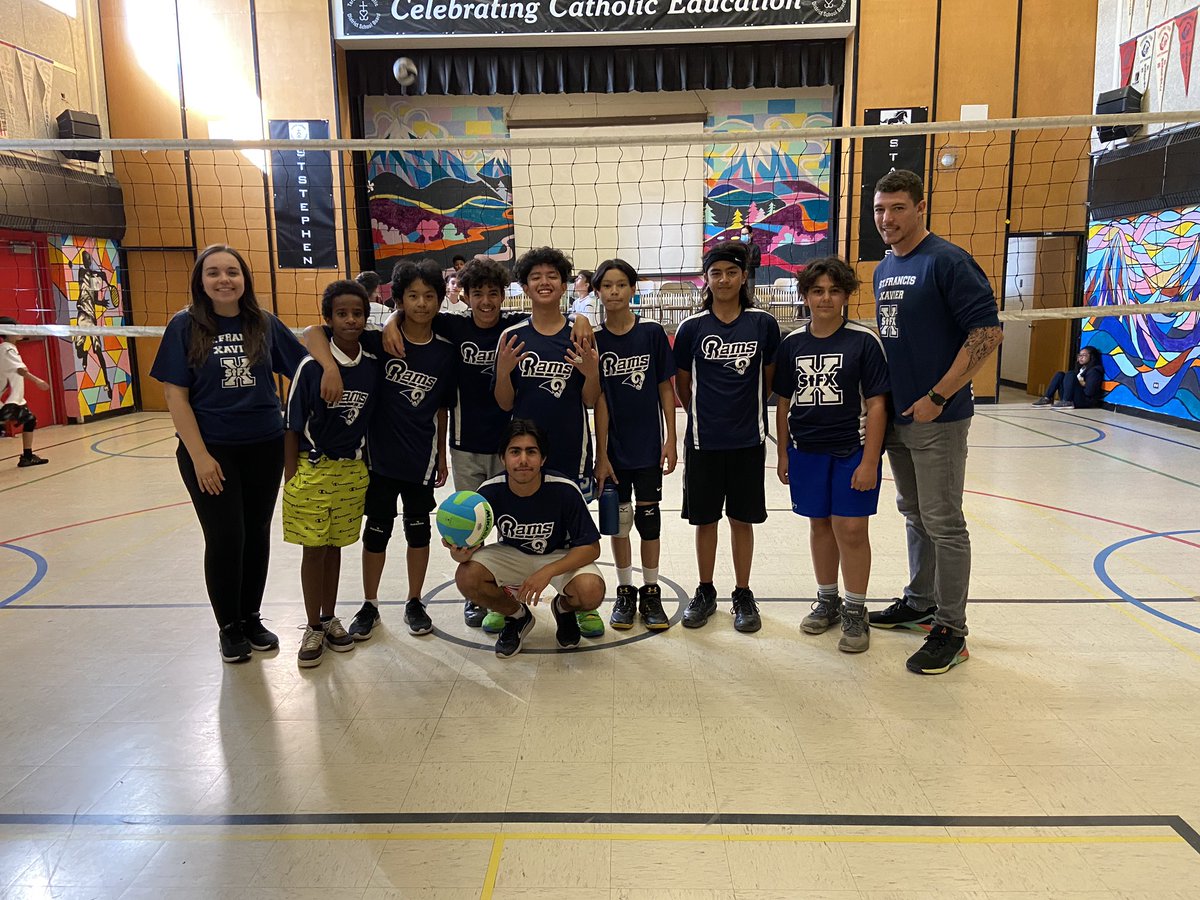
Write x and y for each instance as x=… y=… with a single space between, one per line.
x=1150 y=362
x=780 y=190
x=442 y=203
x=97 y=372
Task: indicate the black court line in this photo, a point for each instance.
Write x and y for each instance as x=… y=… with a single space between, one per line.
x=89 y=435
x=21 y=484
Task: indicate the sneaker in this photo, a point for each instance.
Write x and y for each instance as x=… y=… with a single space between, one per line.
x=625 y=608
x=901 y=615
x=590 y=624
x=942 y=651
x=364 y=621
x=856 y=630
x=474 y=615
x=650 y=608
x=416 y=618
x=1064 y=404
x=825 y=614
x=31 y=459
x=258 y=635
x=336 y=637
x=312 y=647
x=745 y=611
x=234 y=646
x=493 y=623
x=1041 y=401
x=703 y=605
x=568 y=623
x=509 y=642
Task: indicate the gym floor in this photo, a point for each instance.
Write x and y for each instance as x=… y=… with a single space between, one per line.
x=691 y=765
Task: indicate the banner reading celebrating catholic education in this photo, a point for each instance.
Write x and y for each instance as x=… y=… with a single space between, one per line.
x=385 y=18
x=302 y=181
x=880 y=156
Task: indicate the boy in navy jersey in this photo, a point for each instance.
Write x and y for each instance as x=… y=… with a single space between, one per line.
x=725 y=356
x=635 y=436
x=547 y=539
x=831 y=443
x=325 y=476
x=543 y=373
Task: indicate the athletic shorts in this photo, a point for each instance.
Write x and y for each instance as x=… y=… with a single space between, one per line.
x=19 y=413
x=510 y=566
x=470 y=470
x=820 y=484
x=731 y=479
x=382 y=493
x=645 y=484
x=323 y=502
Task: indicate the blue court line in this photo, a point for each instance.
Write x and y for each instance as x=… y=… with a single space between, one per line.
x=95 y=448
x=1062 y=442
x=1150 y=434
x=41 y=568
x=1100 y=566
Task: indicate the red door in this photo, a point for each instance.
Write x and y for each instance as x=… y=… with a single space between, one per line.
x=23 y=297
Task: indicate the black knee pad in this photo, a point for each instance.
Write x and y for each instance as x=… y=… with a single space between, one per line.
x=28 y=421
x=417 y=531
x=377 y=534
x=648 y=522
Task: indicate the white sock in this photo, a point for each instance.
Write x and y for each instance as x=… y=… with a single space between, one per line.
x=649 y=575
x=853 y=599
x=520 y=613
x=827 y=591
x=625 y=576
x=374 y=603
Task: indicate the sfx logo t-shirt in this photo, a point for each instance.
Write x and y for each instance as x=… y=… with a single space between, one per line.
x=554 y=518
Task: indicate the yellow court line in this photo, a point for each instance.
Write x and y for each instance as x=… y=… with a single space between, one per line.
x=1123 y=607
x=493 y=869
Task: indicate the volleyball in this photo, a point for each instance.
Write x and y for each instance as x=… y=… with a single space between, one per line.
x=405 y=71
x=464 y=519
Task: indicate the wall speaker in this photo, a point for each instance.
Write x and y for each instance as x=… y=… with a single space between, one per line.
x=1123 y=100
x=79 y=125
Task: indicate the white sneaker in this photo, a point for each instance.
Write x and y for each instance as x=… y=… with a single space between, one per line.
x=312 y=648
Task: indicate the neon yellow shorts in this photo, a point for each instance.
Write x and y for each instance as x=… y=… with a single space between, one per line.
x=323 y=502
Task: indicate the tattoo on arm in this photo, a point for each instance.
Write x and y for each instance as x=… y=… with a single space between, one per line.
x=980 y=342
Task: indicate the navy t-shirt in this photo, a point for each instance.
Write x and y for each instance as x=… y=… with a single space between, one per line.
x=727 y=363
x=338 y=431
x=549 y=390
x=925 y=303
x=234 y=401
x=402 y=434
x=632 y=366
x=556 y=517
x=828 y=381
x=476 y=420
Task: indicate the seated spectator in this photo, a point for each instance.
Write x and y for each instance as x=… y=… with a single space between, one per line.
x=1083 y=388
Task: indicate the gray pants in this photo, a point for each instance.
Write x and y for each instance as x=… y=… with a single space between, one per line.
x=929 y=465
x=470 y=470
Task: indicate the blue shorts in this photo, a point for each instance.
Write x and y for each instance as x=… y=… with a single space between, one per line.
x=820 y=484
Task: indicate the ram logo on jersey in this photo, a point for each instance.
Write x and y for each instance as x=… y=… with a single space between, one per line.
x=735 y=355
x=473 y=355
x=632 y=369
x=552 y=375
x=351 y=405
x=889 y=327
x=816 y=380
x=534 y=536
x=414 y=385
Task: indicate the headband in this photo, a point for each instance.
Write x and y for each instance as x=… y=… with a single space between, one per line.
x=736 y=256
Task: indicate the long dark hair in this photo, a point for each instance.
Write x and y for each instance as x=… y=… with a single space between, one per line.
x=1094 y=358
x=204 y=318
x=724 y=249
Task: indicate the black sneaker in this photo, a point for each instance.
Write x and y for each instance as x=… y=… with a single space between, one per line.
x=745 y=611
x=703 y=605
x=473 y=614
x=568 y=633
x=651 y=609
x=416 y=618
x=364 y=621
x=509 y=642
x=258 y=635
x=625 y=608
x=30 y=459
x=234 y=646
x=901 y=615
x=941 y=652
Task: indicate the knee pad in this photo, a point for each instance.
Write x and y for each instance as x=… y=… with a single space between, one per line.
x=417 y=532
x=624 y=520
x=377 y=534
x=28 y=421
x=648 y=520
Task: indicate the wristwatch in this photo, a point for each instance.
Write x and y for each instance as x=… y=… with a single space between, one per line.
x=936 y=398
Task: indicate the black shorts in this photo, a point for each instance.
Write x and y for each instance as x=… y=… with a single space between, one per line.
x=383 y=491
x=19 y=413
x=733 y=479
x=645 y=483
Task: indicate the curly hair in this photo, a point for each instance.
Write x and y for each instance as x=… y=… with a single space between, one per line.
x=542 y=256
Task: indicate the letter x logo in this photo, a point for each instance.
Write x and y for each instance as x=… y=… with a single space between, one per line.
x=888 y=326
x=236 y=372
x=816 y=380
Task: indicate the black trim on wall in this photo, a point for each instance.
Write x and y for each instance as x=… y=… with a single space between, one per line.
x=45 y=197
x=1158 y=173
x=183 y=127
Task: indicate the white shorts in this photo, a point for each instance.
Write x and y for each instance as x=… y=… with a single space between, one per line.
x=509 y=566
x=470 y=470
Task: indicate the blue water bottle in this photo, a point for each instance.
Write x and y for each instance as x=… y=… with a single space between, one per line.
x=610 y=512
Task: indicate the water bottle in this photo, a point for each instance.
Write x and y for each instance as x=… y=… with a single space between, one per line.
x=610 y=512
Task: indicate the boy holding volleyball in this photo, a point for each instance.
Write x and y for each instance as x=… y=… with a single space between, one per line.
x=547 y=540
x=325 y=475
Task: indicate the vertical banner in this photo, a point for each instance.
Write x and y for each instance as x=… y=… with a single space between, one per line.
x=1162 y=55
x=302 y=184
x=1142 y=61
x=1127 y=50
x=880 y=156
x=1185 y=26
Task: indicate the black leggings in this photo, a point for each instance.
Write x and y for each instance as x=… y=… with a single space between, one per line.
x=237 y=524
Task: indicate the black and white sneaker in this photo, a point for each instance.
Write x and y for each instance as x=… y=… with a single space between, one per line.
x=416 y=618
x=336 y=636
x=259 y=636
x=473 y=614
x=901 y=615
x=651 y=609
x=625 y=608
x=364 y=621
x=568 y=633
x=509 y=642
x=234 y=646
x=941 y=652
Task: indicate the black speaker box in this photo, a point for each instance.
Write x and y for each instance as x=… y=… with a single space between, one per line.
x=1123 y=100
x=79 y=125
